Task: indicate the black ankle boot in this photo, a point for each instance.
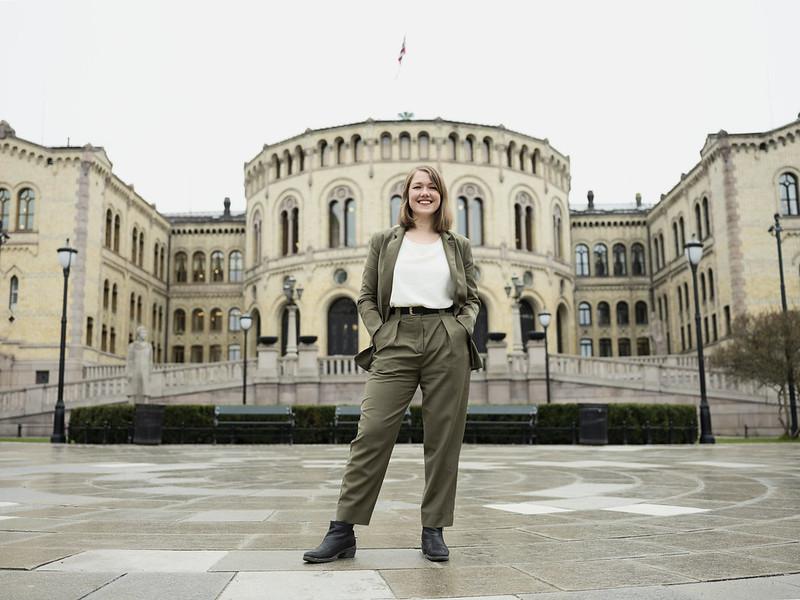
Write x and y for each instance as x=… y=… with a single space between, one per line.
x=433 y=546
x=339 y=542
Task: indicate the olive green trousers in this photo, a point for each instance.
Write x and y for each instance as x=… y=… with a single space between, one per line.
x=432 y=352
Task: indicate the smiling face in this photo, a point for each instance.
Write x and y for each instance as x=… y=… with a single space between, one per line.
x=424 y=197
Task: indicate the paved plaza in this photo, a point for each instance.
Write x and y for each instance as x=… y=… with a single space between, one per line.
x=532 y=522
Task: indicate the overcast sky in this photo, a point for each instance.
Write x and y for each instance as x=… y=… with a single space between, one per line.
x=181 y=94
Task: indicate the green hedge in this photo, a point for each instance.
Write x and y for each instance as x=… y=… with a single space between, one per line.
x=627 y=423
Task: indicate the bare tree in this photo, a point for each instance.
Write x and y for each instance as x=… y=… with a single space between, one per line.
x=763 y=348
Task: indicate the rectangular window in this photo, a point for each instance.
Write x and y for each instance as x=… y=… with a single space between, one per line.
x=586 y=347
x=234 y=352
x=624 y=347
x=177 y=354
x=643 y=346
x=705 y=331
x=689 y=335
x=197 y=354
x=42 y=377
x=714 y=327
x=605 y=347
x=215 y=353
x=727 y=310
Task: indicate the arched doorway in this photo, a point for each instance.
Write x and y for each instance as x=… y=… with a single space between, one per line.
x=527 y=321
x=285 y=328
x=342 y=327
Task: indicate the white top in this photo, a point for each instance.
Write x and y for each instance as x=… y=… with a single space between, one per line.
x=422 y=276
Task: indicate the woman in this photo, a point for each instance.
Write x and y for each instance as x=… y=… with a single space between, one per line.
x=419 y=302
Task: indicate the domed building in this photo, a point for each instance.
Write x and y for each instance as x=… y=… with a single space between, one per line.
x=314 y=200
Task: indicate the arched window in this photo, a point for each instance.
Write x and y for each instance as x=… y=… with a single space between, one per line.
x=141 y=248
x=322 y=150
x=535 y=161
x=338 y=145
x=424 y=143
x=114 y=298
x=5 y=210
x=294 y=220
x=641 y=313
x=112 y=346
x=469 y=149
x=677 y=240
x=342 y=327
x=637 y=260
x=600 y=260
x=161 y=318
x=623 y=318
x=155 y=260
x=109 y=222
x=452 y=146
x=154 y=318
x=523 y=222
x=106 y=291
x=276 y=165
x=584 y=314
x=523 y=157
x=26 y=201
x=215 y=320
x=341 y=218
x=180 y=267
x=698 y=222
x=620 y=260
x=179 y=322
x=711 y=284
x=139 y=310
x=683 y=233
x=702 y=287
x=198 y=267
x=558 y=233
x=134 y=244
x=117 y=227
x=132 y=308
x=394 y=209
x=235 y=265
x=469 y=217
x=358 y=148
x=510 y=151
x=486 y=150
x=104 y=339
x=586 y=347
x=706 y=217
x=787 y=185
x=234 y=315
x=386 y=146
x=13 y=293
x=198 y=320
x=89 y=331
x=217 y=266
x=603 y=314
x=287 y=159
x=257 y=238
x=582 y=260
x=405 y=146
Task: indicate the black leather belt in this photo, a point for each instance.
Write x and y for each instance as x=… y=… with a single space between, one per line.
x=422 y=310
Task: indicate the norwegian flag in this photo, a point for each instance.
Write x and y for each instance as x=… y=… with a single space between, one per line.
x=402 y=52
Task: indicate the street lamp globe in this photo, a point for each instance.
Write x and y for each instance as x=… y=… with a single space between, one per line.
x=544 y=319
x=694 y=251
x=246 y=322
x=66 y=256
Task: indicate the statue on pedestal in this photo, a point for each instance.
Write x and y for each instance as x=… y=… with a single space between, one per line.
x=140 y=359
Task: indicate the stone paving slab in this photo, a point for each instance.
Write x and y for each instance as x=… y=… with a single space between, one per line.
x=231 y=523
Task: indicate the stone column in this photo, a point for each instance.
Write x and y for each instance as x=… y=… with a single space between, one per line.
x=291 y=334
x=307 y=379
x=516 y=329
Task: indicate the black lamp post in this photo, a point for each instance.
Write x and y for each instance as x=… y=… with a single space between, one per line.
x=245 y=322
x=694 y=252
x=66 y=257
x=776 y=229
x=544 y=319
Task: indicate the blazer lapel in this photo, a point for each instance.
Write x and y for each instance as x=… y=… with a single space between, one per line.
x=386 y=269
x=450 y=250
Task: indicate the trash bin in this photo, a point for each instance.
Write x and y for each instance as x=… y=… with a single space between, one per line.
x=593 y=424
x=148 y=422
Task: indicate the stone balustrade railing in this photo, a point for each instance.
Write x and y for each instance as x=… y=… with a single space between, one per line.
x=103 y=371
x=41 y=399
x=337 y=366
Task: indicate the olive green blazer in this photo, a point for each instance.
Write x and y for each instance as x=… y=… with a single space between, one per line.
x=376 y=286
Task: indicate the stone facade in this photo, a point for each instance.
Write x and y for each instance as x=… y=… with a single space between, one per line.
x=312 y=203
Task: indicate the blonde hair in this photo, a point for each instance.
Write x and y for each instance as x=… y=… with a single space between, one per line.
x=442 y=219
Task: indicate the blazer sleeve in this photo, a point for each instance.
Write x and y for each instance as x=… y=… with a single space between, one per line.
x=469 y=311
x=368 y=298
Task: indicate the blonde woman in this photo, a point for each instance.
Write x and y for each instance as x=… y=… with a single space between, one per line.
x=419 y=302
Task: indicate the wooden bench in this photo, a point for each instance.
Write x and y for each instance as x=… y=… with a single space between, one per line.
x=526 y=428
x=266 y=419
x=347 y=416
